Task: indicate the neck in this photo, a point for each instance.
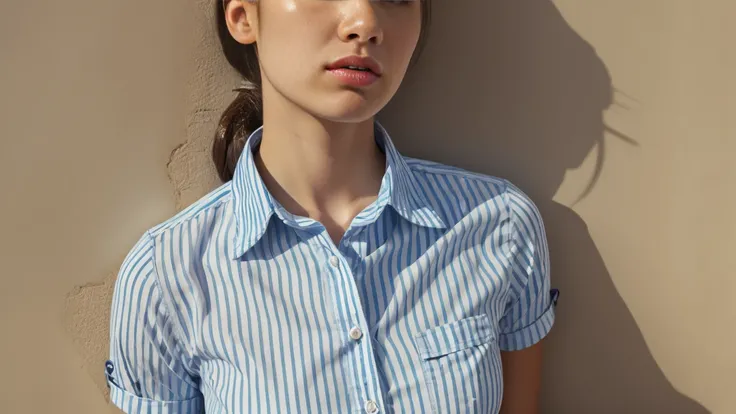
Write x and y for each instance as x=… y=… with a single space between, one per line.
x=317 y=168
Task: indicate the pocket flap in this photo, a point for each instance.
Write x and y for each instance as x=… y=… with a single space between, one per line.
x=454 y=336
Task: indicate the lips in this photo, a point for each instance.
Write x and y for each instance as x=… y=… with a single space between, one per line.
x=365 y=63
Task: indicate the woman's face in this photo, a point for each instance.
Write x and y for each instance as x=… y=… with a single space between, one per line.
x=298 y=39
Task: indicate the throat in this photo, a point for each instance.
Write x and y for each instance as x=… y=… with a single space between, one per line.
x=336 y=234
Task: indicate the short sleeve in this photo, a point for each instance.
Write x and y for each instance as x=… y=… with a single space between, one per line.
x=145 y=371
x=529 y=313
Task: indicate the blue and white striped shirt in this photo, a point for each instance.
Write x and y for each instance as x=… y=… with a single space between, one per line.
x=235 y=305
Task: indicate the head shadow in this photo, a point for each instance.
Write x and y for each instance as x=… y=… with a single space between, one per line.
x=508 y=88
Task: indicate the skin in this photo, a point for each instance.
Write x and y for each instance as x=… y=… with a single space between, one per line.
x=521 y=380
x=318 y=156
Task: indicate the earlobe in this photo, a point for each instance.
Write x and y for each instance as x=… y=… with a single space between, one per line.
x=240 y=16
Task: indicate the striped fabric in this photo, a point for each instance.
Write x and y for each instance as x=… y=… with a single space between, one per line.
x=237 y=306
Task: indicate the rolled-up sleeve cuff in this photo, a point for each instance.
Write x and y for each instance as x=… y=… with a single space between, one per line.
x=130 y=403
x=533 y=333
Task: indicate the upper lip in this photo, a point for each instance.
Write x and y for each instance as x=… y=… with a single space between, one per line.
x=359 y=61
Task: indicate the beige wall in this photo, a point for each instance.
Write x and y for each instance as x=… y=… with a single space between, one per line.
x=107 y=109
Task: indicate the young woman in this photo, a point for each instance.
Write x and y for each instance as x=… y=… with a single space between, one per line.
x=331 y=274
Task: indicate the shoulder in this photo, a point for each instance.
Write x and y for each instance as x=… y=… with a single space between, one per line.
x=454 y=184
x=196 y=213
x=464 y=191
x=137 y=266
x=167 y=240
x=424 y=168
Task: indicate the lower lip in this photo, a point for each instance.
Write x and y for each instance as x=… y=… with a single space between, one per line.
x=354 y=77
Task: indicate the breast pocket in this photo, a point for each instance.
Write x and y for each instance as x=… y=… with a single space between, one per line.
x=462 y=366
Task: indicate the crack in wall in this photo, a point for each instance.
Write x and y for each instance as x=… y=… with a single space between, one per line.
x=191 y=174
x=87 y=321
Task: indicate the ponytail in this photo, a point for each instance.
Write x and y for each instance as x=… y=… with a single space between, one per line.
x=240 y=119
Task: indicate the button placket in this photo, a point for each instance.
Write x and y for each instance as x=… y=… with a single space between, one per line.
x=362 y=361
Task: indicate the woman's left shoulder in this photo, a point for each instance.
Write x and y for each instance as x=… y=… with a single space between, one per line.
x=453 y=177
x=472 y=189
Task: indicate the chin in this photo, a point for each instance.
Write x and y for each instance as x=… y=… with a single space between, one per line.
x=347 y=111
x=348 y=117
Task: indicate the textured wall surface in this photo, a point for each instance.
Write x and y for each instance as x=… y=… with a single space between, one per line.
x=618 y=118
x=208 y=84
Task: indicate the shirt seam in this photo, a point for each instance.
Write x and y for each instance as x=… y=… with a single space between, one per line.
x=514 y=229
x=514 y=240
x=181 y=220
x=457 y=171
x=169 y=306
x=128 y=394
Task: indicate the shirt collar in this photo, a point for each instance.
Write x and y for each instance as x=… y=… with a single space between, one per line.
x=254 y=205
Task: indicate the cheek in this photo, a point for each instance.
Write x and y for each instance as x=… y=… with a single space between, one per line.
x=291 y=29
x=285 y=61
x=292 y=47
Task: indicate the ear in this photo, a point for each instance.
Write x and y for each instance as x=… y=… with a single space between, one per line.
x=242 y=20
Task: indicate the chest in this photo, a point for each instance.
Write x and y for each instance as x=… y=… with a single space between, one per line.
x=405 y=320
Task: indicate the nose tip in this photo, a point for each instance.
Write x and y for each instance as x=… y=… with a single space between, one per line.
x=361 y=23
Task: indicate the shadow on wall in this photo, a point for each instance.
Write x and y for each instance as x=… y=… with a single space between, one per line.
x=509 y=89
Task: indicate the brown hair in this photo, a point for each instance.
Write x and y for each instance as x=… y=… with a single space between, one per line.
x=245 y=114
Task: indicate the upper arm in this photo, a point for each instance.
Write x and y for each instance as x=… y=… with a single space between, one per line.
x=529 y=313
x=146 y=372
x=522 y=380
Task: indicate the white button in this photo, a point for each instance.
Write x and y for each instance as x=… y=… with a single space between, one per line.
x=334 y=261
x=371 y=407
x=355 y=333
